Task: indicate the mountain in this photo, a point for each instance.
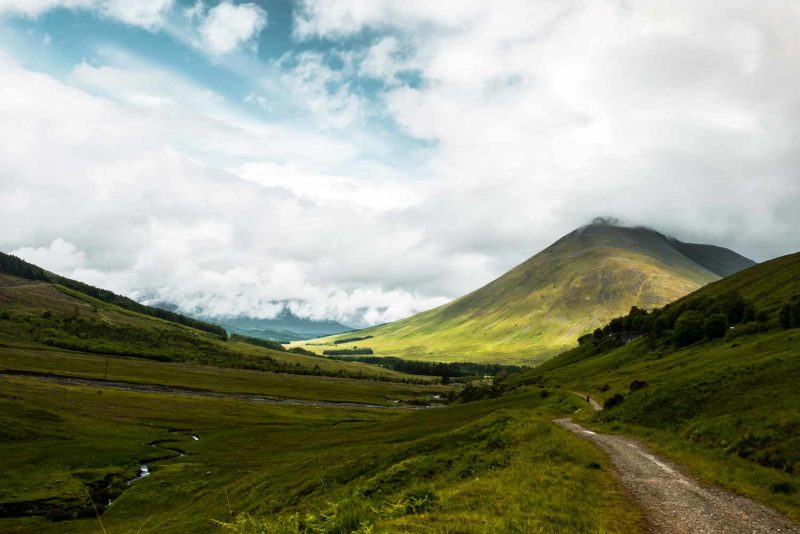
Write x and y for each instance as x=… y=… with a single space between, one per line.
x=539 y=308
x=286 y=326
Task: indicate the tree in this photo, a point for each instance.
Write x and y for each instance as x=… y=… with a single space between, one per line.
x=785 y=316
x=794 y=313
x=614 y=400
x=716 y=326
x=734 y=306
x=689 y=328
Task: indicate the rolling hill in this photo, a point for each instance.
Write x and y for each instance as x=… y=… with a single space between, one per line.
x=539 y=308
x=43 y=313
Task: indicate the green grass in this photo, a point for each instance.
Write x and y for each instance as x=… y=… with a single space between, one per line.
x=489 y=465
x=208 y=377
x=538 y=309
x=40 y=315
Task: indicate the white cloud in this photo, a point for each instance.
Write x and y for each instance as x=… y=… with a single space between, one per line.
x=33 y=8
x=148 y=14
x=321 y=89
x=59 y=256
x=258 y=100
x=228 y=26
x=146 y=210
x=145 y=13
x=545 y=113
x=536 y=116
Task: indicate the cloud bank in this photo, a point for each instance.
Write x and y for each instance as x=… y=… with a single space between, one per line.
x=423 y=150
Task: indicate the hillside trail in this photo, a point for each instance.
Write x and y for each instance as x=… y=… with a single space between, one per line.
x=674 y=502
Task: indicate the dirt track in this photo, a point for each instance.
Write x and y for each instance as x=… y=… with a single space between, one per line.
x=676 y=503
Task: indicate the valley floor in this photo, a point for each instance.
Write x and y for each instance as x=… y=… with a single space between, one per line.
x=218 y=463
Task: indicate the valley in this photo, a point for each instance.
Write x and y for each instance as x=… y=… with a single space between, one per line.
x=100 y=432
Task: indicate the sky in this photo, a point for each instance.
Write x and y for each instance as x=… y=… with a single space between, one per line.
x=362 y=160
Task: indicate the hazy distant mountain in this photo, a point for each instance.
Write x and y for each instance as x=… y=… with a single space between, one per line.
x=540 y=307
x=286 y=326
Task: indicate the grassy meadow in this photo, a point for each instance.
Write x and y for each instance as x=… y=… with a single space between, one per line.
x=477 y=467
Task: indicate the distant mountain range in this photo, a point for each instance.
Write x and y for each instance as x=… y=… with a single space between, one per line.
x=539 y=308
x=286 y=326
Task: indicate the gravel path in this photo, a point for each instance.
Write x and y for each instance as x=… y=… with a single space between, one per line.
x=674 y=502
x=593 y=403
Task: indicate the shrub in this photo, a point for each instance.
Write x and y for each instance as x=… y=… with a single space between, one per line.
x=716 y=326
x=785 y=316
x=636 y=385
x=419 y=500
x=614 y=400
x=783 y=487
x=794 y=313
x=689 y=328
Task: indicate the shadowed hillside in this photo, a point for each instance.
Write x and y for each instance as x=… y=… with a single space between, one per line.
x=540 y=307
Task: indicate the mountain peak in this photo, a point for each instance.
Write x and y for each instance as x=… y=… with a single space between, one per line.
x=540 y=307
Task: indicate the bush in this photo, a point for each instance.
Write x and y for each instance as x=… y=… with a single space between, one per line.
x=785 y=316
x=689 y=328
x=419 y=500
x=614 y=400
x=716 y=326
x=636 y=385
x=794 y=313
x=786 y=488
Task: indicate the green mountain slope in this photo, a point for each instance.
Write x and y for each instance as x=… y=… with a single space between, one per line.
x=728 y=408
x=42 y=311
x=540 y=307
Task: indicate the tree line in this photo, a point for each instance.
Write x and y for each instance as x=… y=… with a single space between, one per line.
x=450 y=370
x=684 y=322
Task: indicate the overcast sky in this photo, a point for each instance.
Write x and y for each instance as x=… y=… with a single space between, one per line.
x=366 y=159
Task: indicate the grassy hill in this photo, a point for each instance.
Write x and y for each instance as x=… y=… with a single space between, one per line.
x=726 y=406
x=44 y=313
x=539 y=308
